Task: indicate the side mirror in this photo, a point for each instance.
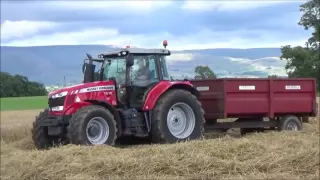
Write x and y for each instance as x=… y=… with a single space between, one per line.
x=129 y=60
x=89 y=56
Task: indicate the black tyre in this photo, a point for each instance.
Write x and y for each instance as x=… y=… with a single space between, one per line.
x=289 y=123
x=175 y=109
x=92 y=125
x=40 y=135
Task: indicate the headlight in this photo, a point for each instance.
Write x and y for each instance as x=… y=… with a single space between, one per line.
x=57 y=108
x=64 y=93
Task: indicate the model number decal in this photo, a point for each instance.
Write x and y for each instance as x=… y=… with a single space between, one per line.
x=97 y=88
x=203 y=88
x=107 y=93
x=293 y=87
x=247 y=87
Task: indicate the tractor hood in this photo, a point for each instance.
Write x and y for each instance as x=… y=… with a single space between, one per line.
x=105 y=85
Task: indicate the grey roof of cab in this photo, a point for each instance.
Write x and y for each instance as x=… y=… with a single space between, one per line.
x=137 y=51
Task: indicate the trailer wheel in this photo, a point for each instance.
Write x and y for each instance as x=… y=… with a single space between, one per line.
x=92 y=125
x=40 y=135
x=177 y=116
x=289 y=123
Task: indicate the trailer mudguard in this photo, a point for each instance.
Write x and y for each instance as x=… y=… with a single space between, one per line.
x=164 y=86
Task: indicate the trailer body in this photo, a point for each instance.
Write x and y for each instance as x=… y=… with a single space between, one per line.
x=263 y=97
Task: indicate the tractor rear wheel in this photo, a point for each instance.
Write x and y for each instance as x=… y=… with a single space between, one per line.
x=40 y=135
x=177 y=116
x=92 y=125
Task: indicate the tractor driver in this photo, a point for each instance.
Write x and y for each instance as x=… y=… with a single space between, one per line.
x=142 y=74
x=140 y=81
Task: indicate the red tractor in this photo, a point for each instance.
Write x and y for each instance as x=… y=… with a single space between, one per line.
x=131 y=95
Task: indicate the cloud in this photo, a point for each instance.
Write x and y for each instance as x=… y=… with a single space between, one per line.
x=204 y=39
x=224 y=24
x=86 y=36
x=234 y=5
x=120 y=6
x=180 y=57
x=20 y=29
x=60 y=10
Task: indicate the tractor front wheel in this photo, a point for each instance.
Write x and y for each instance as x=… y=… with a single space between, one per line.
x=40 y=135
x=177 y=116
x=92 y=125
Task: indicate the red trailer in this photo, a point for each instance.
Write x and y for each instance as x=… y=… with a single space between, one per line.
x=257 y=103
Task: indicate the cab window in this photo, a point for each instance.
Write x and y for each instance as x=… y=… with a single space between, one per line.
x=141 y=62
x=116 y=68
x=163 y=67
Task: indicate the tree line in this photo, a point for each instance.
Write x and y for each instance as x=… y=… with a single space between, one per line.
x=19 y=86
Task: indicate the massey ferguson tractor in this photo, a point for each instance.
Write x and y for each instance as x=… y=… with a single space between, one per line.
x=132 y=95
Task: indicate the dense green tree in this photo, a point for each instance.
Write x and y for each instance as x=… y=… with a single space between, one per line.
x=311 y=19
x=18 y=86
x=204 y=72
x=305 y=61
x=273 y=76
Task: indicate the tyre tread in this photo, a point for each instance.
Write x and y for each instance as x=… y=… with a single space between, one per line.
x=75 y=124
x=282 y=121
x=158 y=136
x=39 y=136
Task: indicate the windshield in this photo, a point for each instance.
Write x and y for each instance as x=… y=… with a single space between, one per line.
x=163 y=66
x=116 y=68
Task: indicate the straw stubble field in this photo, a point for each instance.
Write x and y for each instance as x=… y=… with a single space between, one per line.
x=271 y=155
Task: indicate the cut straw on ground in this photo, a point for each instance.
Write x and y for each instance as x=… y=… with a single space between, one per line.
x=270 y=155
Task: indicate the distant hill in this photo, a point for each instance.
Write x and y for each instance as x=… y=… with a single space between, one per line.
x=49 y=64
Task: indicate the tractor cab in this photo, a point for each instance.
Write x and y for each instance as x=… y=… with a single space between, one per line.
x=135 y=72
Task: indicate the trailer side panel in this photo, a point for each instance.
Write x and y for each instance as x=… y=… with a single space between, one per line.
x=246 y=97
x=251 y=97
x=212 y=97
x=294 y=96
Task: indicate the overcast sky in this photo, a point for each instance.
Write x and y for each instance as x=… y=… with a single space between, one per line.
x=185 y=24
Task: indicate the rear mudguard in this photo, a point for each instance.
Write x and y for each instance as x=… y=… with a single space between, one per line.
x=162 y=87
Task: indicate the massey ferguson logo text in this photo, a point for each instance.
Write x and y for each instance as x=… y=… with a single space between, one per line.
x=97 y=88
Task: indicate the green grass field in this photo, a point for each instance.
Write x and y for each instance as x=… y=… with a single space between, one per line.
x=24 y=103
